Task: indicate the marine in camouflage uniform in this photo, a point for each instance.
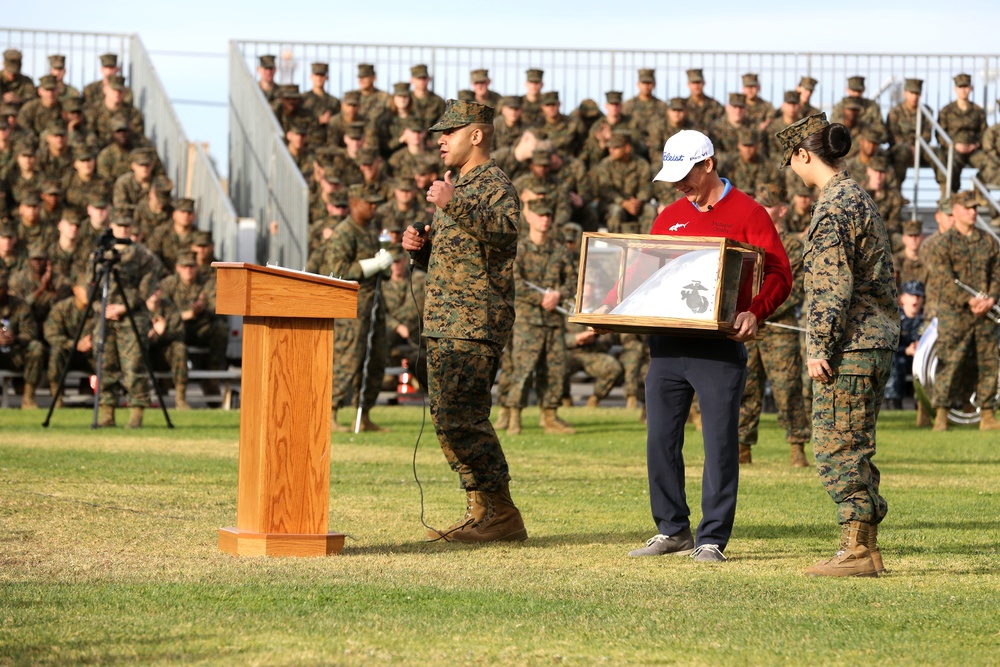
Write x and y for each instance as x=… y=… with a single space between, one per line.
x=647 y=111
x=889 y=201
x=194 y=297
x=964 y=122
x=775 y=354
x=725 y=131
x=565 y=133
x=36 y=114
x=972 y=256
x=403 y=210
x=910 y=264
x=853 y=323
x=356 y=240
x=469 y=311
x=589 y=352
x=38 y=285
x=83 y=183
x=507 y=135
x=132 y=187
x=538 y=347
x=166 y=343
x=622 y=179
x=901 y=123
x=169 y=241
x=869 y=112
x=404 y=306
x=26 y=352
x=60 y=331
x=759 y=111
x=15 y=87
x=427 y=104
x=702 y=110
x=748 y=170
x=321 y=104
x=372 y=101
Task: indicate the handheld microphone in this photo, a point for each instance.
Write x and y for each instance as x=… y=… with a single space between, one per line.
x=419 y=229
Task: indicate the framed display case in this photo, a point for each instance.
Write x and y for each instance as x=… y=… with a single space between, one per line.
x=688 y=285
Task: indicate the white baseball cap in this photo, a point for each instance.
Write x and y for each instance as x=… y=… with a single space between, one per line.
x=681 y=152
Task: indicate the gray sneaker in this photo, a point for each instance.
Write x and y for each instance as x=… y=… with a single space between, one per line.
x=708 y=553
x=681 y=544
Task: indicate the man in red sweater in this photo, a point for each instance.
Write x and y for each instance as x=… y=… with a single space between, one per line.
x=714 y=368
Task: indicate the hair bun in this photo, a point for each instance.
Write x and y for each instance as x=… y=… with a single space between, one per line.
x=837 y=141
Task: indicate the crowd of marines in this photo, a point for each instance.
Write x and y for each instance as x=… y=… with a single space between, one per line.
x=73 y=164
x=83 y=193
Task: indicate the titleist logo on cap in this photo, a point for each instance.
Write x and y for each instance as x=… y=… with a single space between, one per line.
x=697 y=157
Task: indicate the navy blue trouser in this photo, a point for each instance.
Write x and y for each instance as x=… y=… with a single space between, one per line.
x=716 y=370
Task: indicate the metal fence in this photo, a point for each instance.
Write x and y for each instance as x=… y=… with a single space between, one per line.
x=264 y=182
x=588 y=73
x=186 y=164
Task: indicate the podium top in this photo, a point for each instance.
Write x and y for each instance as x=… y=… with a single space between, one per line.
x=270 y=291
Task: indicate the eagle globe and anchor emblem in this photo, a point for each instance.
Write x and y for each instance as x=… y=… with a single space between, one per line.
x=693 y=297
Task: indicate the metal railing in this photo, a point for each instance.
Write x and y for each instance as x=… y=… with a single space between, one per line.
x=588 y=73
x=264 y=182
x=923 y=148
x=186 y=164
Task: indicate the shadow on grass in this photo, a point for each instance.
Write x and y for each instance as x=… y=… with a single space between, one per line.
x=627 y=540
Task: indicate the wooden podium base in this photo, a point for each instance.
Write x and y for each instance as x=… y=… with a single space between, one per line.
x=244 y=543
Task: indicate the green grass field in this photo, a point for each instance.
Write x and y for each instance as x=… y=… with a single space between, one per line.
x=108 y=554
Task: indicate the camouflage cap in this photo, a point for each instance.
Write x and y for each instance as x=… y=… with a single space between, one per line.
x=800 y=189
x=12 y=56
x=965 y=199
x=588 y=109
x=414 y=123
x=73 y=215
x=695 y=76
x=963 y=81
x=619 y=138
x=794 y=134
x=737 y=100
x=122 y=217
x=879 y=163
x=856 y=83
x=750 y=80
x=542 y=157
x=184 y=204
x=914 y=287
x=401 y=88
x=37 y=250
x=48 y=82
x=647 y=76
x=57 y=61
x=571 y=232
x=510 y=101
x=4 y=123
x=393 y=224
x=944 y=205
x=872 y=133
x=51 y=187
x=748 y=136
x=143 y=156
x=119 y=123
x=791 y=97
x=420 y=72
x=404 y=184
x=677 y=104
x=116 y=82
x=852 y=103
x=808 y=83
x=540 y=207
x=72 y=104
x=479 y=75
x=98 y=200
x=108 y=59
x=367 y=193
x=31 y=199
x=266 y=61
x=365 y=70
x=322 y=69
x=351 y=98
x=187 y=259
x=332 y=177
x=460 y=114
x=9 y=230
x=613 y=97
x=768 y=194
x=56 y=127
x=289 y=91
x=550 y=97
x=367 y=155
x=162 y=186
x=913 y=228
x=534 y=75
x=424 y=166
x=914 y=86
x=299 y=126
x=25 y=146
x=355 y=130
x=466 y=95
x=202 y=237
x=340 y=199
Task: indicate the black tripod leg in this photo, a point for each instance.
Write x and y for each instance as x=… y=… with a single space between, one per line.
x=72 y=351
x=142 y=348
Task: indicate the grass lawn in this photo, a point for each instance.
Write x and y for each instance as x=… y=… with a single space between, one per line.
x=108 y=554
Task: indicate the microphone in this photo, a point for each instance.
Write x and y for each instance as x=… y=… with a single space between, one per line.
x=709 y=207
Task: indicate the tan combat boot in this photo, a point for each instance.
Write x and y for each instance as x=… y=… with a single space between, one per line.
x=988 y=422
x=514 y=427
x=745 y=454
x=874 y=550
x=941 y=420
x=550 y=423
x=334 y=426
x=490 y=516
x=28 y=397
x=798 y=456
x=503 y=419
x=631 y=402
x=923 y=419
x=181 y=402
x=106 y=416
x=135 y=418
x=853 y=559
x=368 y=426
x=54 y=389
x=567 y=402
x=593 y=402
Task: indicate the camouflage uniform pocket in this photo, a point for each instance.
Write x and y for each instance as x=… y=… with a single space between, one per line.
x=849 y=410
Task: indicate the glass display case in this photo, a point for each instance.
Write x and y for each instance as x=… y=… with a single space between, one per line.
x=689 y=285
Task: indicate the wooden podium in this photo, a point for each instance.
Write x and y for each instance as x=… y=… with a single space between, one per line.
x=282 y=506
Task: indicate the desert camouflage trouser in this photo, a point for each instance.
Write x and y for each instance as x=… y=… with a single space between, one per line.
x=774 y=357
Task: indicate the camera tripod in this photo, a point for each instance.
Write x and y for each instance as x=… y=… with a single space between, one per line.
x=103 y=260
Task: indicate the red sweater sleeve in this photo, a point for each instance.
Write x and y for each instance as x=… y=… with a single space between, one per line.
x=739 y=218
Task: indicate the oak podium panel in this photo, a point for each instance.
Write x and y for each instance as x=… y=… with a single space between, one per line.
x=282 y=506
